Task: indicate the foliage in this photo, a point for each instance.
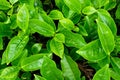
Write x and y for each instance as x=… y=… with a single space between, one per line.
x=59 y=39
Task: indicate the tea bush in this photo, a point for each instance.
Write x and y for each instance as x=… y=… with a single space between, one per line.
x=59 y=39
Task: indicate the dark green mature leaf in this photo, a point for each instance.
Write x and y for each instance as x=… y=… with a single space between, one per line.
x=57 y=48
x=92 y=51
x=73 y=39
x=74 y=5
x=114 y=75
x=106 y=37
x=116 y=64
x=9 y=73
x=111 y=5
x=14 y=48
x=50 y=71
x=32 y=63
x=103 y=73
x=59 y=3
x=23 y=18
x=100 y=3
x=36 y=48
x=5 y=30
x=37 y=77
x=89 y=10
x=105 y=17
x=56 y=15
x=41 y=27
x=70 y=69
x=1 y=43
x=117 y=14
x=4 y=5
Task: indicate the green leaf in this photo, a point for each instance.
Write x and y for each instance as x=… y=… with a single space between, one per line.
x=5 y=30
x=59 y=37
x=66 y=23
x=114 y=75
x=73 y=39
x=4 y=5
x=57 y=48
x=32 y=63
x=9 y=73
x=115 y=64
x=17 y=62
x=41 y=27
x=117 y=14
x=103 y=73
x=37 y=77
x=106 y=37
x=70 y=69
x=14 y=48
x=91 y=53
x=56 y=15
x=23 y=18
x=74 y=5
x=100 y=3
x=50 y=71
x=1 y=43
x=111 y=5
x=89 y=10
x=36 y=48
x=105 y=17
x=59 y=3
x=13 y=1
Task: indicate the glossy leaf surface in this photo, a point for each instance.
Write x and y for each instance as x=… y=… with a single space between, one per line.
x=92 y=51
x=70 y=69
x=32 y=63
x=50 y=71
x=9 y=73
x=103 y=73
x=23 y=18
x=14 y=48
x=57 y=47
x=41 y=27
x=105 y=35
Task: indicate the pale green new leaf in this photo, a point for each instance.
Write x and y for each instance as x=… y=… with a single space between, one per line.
x=37 y=77
x=106 y=37
x=9 y=73
x=103 y=73
x=36 y=48
x=23 y=18
x=56 y=15
x=66 y=23
x=70 y=69
x=57 y=48
x=32 y=63
x=92 y=51
x=13 y=1
x=74 y=5
x=59 y=38
x=41 y=27
x=49 y=70
x=89 y=10
x=14 y=48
